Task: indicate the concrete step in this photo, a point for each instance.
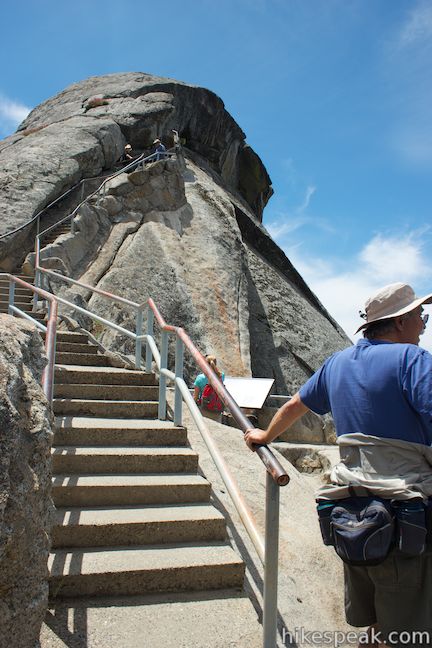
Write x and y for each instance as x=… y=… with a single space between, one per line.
x=53 y=237
x=102 y=376
x=127 y=489
x=144 y=569
x=4 y=281
x=92 y=431
x=107 y=392
x=71 y=336
x=117 y=459
x=24 y=304
x=210 y=619
x=38 y=315
x=54 y=234
x=136 y=525
x=75 y=347
x=21 y=294
x=86 y=359
x=111 y=409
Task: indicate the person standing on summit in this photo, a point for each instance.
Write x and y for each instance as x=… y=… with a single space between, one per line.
x=160 y=150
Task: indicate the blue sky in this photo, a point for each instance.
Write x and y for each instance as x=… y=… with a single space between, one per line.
x=334 y=95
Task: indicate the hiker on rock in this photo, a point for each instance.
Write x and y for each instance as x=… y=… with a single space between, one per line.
x=127 y=155
x=176 y=139
x=160 y=150
x=376 y=510
x=204 y=394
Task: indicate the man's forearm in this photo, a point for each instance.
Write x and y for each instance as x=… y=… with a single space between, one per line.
x=285 y=417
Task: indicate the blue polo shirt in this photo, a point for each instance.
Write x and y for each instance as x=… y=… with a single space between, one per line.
x=378 y=388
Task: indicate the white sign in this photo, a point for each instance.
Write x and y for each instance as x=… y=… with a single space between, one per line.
x=249 y=392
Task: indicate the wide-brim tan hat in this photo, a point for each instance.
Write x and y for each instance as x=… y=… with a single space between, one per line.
x=157 y=141
x=392 y=301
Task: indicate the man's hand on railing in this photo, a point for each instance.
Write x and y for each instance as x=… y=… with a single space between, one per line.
x=255 y=436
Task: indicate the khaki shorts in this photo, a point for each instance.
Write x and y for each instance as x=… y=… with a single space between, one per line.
x=397 y=594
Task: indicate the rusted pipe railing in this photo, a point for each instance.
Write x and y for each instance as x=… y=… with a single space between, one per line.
x=93 y=289
x=140 y=161
x=38 y=216
x=273 y=466
x=50 y=329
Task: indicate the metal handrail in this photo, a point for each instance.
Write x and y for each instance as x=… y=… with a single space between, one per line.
x=139 y=160
x=135 y=163
x=81 y=183
x=98 y=291
x=52 y=204
x=229 y=481
x=275 y=477
x=50 y=329
x=272 y=465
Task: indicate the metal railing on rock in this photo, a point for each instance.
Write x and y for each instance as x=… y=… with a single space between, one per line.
x=50 y=329
x=37 y=217
x=100 y=191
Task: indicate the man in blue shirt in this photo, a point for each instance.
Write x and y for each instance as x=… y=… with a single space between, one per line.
x=380 y=395
x=160 y=150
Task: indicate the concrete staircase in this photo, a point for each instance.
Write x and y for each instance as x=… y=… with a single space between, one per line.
x=52 y=235
x=133 y=515
x=23 y=296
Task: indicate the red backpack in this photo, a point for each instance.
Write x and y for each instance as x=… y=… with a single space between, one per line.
x=210 y=400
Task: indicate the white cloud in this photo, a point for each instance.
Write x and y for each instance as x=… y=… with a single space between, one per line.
x=344 y=286
x=305 y=204
x=291 y=221
x=381 y=256
x=418 y=27
x=278 y=229
x=12 y=114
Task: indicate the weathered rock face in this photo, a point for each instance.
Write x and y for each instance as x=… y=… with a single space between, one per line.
x=25 y=505
x=188 y=235
x=211 y=268
x=65 y=139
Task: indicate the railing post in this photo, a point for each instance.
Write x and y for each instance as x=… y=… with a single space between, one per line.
x=271 y=563
x=149 y=355
x=138 y=332
x=37 y=285
x=11 y=295
x=50 y=347
x=162 y=377
x=178 y=401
